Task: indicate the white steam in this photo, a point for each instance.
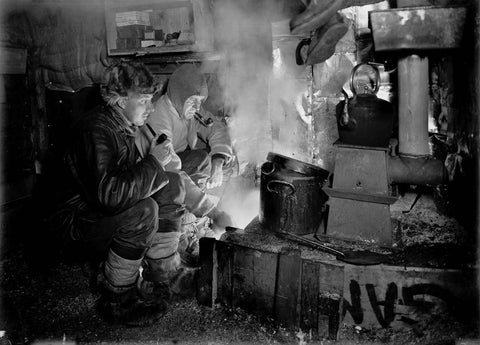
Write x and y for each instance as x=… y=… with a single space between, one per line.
x=267 y=96
x=244 y=36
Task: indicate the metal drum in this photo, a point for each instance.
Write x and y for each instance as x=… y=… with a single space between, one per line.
x=291 y=195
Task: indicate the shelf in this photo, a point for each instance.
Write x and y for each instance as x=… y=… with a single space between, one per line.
x=180 y=57
x=153 y=50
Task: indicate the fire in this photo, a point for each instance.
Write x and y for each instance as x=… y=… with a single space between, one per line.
x=241 y=199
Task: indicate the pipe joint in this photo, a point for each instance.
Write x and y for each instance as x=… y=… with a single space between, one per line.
x=417 y=171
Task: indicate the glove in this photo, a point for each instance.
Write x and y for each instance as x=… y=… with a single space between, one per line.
x=216 y=175
x=162 y=152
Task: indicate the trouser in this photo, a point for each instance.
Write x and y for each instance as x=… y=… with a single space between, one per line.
x=196 y=167
x=149 y=229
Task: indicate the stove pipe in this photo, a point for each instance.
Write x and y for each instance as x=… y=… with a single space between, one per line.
x=413 y=99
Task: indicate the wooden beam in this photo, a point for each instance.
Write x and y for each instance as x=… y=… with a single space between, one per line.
x=36 y=86
x=309 y=302
x=225 y=254
x=14 y=60
x=289 y=270
x=243 y=282
x=264 y=279
x=206 y=282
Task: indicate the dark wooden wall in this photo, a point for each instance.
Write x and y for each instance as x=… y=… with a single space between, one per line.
x=16 y=127
x=63 y=108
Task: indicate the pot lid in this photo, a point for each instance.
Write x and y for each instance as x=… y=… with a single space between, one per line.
x=297 y=166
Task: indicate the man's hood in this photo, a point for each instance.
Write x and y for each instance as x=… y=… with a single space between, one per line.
x=186 y=81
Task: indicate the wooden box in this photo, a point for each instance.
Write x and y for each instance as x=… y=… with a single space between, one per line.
x=303 y=288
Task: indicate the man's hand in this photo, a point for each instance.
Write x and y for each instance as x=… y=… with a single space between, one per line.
x=220 y=220
x=162 y=152
x=216 y=175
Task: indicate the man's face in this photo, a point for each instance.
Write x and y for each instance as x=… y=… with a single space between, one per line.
x=192 y=105
x=138 y=107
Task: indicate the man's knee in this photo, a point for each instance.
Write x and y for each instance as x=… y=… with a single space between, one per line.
x=201 y=155
x=175 y=190
x=135 y=233
x=196 y=162
x=150 y=211
x=149 y=208
x=171 y=198
x=147 y=223
x=204 y=161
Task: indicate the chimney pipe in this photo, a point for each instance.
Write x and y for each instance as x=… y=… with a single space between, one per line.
x=413 y=105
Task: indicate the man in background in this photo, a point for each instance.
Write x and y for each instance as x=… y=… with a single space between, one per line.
x=179 y=115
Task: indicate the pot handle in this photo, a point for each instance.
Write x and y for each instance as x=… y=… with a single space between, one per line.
x=298 y=51
x=375 y=71
x=291 y=186
x=272 y=169
x=345 y=116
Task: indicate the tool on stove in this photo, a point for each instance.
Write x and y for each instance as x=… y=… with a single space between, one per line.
x=232 y=229
x=363 y=257
x=204 y=122
x=354 y=257
x=161 y=138
x=310 y=243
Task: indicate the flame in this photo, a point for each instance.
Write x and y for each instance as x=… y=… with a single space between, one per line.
x=241 y=199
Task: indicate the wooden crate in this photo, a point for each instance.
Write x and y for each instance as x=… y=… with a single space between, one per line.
x=275 y=283
x=305 y=289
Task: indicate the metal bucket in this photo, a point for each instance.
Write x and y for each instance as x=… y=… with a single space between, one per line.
x=291 y=195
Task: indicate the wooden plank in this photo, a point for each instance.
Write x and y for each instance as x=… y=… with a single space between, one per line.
x=264 y=279
x=14 y=60
x=36 y=87
x=288 y=287
x=206 y=286
x=182 y=57
x=389 y=296
x=330 y=300
x=246 y=278
x=330 y=314
x=225 y=253
x=309 y=297
x=323 y=326
x=243 y=282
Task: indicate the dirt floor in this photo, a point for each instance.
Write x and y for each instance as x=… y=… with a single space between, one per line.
x=45 y=301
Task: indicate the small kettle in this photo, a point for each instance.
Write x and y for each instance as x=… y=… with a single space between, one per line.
x=365 y=119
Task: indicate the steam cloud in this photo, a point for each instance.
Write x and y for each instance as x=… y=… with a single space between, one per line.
x=261 y=93
x=244 y=36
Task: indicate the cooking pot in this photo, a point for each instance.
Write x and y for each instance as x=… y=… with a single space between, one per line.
x=291 y=195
